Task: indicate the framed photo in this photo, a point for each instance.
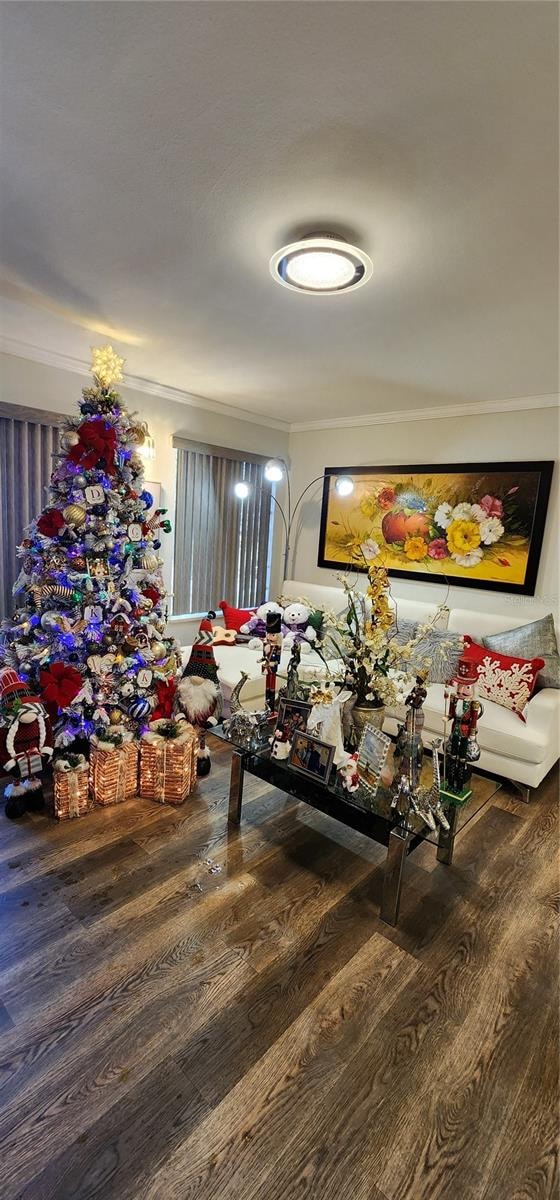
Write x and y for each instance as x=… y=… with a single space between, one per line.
x=372 y=755
x=311 y=757
x=292 y=717
x=473 y=524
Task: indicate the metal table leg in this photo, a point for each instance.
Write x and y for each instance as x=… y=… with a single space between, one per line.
x=236 y=787
x=446 y=839
x=392 y=875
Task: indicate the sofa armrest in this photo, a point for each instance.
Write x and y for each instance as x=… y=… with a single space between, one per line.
x=543 y=710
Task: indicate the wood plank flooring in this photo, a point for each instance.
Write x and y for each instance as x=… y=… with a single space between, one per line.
x=193 y=1011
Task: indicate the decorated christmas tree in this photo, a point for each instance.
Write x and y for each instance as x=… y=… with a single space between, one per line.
x=88 y=627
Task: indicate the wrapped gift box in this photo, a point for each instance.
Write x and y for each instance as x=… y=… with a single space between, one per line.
x=70 y=787
x=113 y=769
x=168 y=761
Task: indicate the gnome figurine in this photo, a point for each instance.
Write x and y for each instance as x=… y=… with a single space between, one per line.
x=199 y=696
x=25 y=744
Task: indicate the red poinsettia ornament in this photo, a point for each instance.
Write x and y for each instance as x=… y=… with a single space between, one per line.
x=165 y=692
x=60 y=684
x=50 y=522
x=96 y=447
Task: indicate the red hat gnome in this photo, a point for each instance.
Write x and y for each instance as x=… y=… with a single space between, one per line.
x=198 y=691
x=25 y=741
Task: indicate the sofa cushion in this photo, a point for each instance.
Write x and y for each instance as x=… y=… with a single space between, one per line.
x=234 y=618
x=440 y=647
x=503 y=678
x=535 y=640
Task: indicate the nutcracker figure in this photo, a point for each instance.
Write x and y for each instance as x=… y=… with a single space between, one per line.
x=461 y=749
x=25 y=744
x=270 y=661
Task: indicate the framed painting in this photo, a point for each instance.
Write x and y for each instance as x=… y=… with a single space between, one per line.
x=474 y=524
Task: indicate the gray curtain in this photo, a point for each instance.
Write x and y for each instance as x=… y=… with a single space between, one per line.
x=222 y=544
x=26 y=463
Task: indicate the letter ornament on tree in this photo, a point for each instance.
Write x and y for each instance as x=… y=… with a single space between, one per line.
x=88 y=628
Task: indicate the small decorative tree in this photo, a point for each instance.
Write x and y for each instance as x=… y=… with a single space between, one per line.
x=88 y=628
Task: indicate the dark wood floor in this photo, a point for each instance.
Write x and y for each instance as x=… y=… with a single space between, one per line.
x=193 y=1012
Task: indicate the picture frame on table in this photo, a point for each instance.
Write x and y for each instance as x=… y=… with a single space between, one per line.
x=311 y=757
x=373 y=752
x=292 y=717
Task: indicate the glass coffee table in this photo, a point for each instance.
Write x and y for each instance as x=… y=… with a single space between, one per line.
x=369 y=813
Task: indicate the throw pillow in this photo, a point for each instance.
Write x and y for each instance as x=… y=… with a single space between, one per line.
x=441 y=647
x=535 y=640
x=235 y=617
x=504 y=678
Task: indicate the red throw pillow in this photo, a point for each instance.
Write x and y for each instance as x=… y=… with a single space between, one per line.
x=235 y=617
x=502 y=678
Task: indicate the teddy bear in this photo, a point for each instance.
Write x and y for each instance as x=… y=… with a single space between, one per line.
x=256 y=625
x=296 y=620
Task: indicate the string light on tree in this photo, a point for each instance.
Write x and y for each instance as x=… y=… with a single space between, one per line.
x=106 y=364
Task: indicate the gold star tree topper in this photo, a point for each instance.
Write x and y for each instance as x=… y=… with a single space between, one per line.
x=106 y=364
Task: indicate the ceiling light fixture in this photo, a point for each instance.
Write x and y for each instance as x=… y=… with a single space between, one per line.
x=322 y=265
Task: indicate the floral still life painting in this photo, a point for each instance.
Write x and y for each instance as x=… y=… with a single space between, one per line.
x=476 y=524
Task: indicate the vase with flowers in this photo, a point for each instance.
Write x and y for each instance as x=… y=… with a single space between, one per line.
x=374 y=660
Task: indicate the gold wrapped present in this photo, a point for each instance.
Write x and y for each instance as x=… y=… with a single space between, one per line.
x=168 y=761
x=113 y=767
x=70 y=787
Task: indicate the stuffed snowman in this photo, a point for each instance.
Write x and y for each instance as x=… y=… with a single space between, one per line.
x=298 y=629
x=280 y=746
x=256 y=625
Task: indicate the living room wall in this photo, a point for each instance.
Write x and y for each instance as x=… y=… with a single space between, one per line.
x=50 y=389
x=504 y=436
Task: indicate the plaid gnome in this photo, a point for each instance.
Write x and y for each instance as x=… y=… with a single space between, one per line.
x=199 y=696
x=25 y=742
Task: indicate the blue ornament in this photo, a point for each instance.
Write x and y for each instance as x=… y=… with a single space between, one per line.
x=139 y=707
x=156 y=545
x=147 y=499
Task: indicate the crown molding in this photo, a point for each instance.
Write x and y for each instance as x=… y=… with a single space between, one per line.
x=477 y=408
x=65 y=362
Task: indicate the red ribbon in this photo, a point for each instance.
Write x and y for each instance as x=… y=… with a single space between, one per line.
x=165 y=692
x=50 y=522
x=60 y=684
x=96 y=447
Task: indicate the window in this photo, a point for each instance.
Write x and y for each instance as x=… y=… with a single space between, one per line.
x=28 y=441
x=222 y=544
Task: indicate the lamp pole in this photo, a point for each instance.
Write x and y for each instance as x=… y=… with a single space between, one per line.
x=279 y=471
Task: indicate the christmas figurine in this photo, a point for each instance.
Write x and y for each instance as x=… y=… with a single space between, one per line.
x=199 y=697
x=25 y=744
x=461 y=749
x=272 y=650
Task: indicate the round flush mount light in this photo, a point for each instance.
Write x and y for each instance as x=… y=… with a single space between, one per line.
x=322 y=265
x=241 y=490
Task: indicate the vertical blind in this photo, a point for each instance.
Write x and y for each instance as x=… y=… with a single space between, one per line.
x=26 y=450
x=221 y=543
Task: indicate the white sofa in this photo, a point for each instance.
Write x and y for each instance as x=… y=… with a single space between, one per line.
x=523 y=752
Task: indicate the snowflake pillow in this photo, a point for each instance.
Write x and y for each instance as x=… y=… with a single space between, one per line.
x=505 y=680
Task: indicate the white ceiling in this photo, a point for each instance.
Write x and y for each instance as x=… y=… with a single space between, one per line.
x=155 y=154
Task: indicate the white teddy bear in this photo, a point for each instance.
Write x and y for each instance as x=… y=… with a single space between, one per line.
x=296 y=619
x=256 y=625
